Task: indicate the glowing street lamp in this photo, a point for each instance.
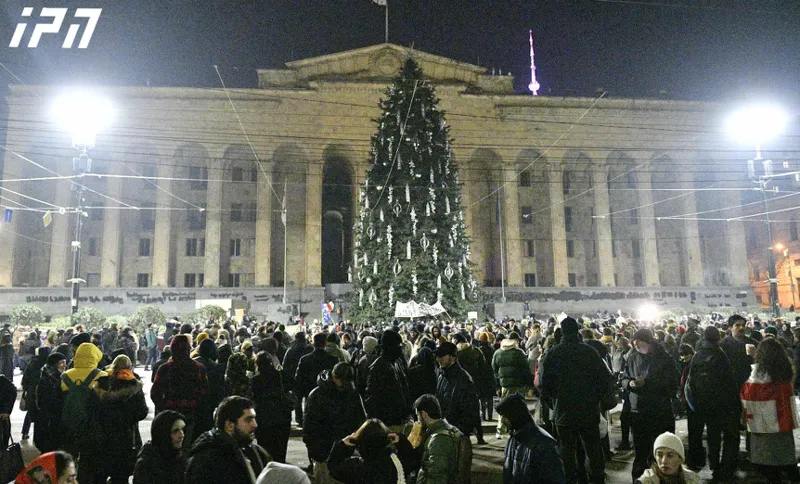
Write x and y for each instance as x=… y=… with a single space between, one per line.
x=82 y=114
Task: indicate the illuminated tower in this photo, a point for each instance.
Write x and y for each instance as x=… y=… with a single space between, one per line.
x=533 y=86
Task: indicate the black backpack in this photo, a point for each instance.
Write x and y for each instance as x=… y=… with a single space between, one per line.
x=702 y=385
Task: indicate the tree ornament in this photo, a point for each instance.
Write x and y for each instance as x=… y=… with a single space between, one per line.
x=366 y=261
x=380 y=215
x=439 y=281
x=360 y=298
x=448 y=271
x=375 y=267
x=463 y=296
x=414 y=282
x=397 y=268
x=371 y=232
x=396 y=209
x=389 y=240
x=355 y=259
x=435 y=255
x=408 y=194
x=350 y=274
x=424 y=242
x=413 y=222
x=399 y=160
x=391 y=295
x=390 y=196
x=447 y=205
x=373 y=298
x=408 y=249
x=431 y=172
x=428 y=209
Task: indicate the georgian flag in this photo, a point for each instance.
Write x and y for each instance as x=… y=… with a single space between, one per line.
x=382 y=3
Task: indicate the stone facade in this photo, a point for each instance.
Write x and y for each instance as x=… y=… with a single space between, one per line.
x=219 y=165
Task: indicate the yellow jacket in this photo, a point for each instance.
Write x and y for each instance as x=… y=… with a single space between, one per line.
x=87 y=357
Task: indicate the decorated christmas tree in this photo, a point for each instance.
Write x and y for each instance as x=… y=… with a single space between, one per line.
x=410 y=239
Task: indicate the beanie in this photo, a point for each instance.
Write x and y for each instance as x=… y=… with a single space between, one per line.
x=569 y=326
x=670 y=441
x=711 y=334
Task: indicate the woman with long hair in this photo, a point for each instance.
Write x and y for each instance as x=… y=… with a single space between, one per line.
x=383 y=456
x=273 y=407
x=767 y=401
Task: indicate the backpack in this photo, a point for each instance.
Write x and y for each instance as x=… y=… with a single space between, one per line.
x=702 y=385
x=78 y=405
x=463 y=472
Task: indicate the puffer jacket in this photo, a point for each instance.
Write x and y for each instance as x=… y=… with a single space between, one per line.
x=510 y=365
x=458 y=397
x=532 y=457
x=216 y=458
x=122 y=407
x=331 y=414
x=661 y=381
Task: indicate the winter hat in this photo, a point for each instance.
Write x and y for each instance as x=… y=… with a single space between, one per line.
x=711 y=334
x=369 y=344
x=644 y=335
x=391 y=339
x=207 y=349
x=446 y=349
x=200 y=338
x=180 y=345
x=771 y=330
x=54 y=357
x=514 y=408
x=275 y=472
x=569 y=326
x=670 y=441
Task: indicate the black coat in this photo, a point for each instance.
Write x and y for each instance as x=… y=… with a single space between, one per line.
x=153 y=468
x=661 y=382
x=458 y=398
x=574 y=377
x=309 y=368
x=272 y=403
x=374 y=468
x=723 y=397
x=736 y=350
x=216 y=392
x=386 y=396
x=331 y=414
x=532 y=458
x=8 y=395
x=216 y=458
x=291 y=359
x=122 y=407
x=50 y=402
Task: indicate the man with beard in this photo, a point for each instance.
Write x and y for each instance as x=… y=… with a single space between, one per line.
x=440 y=448
x=228 y=454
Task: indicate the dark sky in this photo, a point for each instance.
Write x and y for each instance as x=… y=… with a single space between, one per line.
x=691 y=49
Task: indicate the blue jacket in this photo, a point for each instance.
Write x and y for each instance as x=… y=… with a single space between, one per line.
x=532 y=458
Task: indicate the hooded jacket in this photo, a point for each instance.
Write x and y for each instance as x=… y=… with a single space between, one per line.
x=159 y=462
x=50 y=402
x=216 y=458
x=86 y=359
x=122 y=407
x=386 y=396
x=180 y=383
x=332 y=413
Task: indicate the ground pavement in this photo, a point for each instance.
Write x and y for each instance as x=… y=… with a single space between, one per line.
x=487 y=462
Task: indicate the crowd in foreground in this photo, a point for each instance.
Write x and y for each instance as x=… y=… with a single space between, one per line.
x=399 y=403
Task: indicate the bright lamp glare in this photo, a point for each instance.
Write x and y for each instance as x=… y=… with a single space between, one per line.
x=83 y=115
x=648 y=312
x=755 y=125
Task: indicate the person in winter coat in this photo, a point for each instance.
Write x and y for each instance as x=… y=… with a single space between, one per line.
x=310 y=366
x=180 y=385
x=456 y=393
x=30 y=379
x=227 y=454
x=8 y=395
x=237 y=380
x=422 y=374
x=364 y=361
x=207 y=356
x=471 y=359
x=386 y=395
x=383 y=457
x=713 y=397
x=531 y=455
x=161 y=459
x=488 y=391
x=511 y=370
x=668 y=457
x=47 y=434
x=332 y=346
x=51 y=468
x=7 y=356
x=769 y=410
x=122 y=407
x=291 y=359
x=739 y=347
x=651 y=377
x=575 y=379
x=440 y=444
x=273 y=407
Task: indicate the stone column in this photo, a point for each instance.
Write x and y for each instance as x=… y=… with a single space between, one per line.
x=694 y=262
x=470 y=192
x=213 y=230
x=162 y=236
x=511 y=216
x=263 y=253
x=313 y=218
x=647 y=224
x=60 y=237
x=736 y=242
x=603 y=234
x=111 y=251
x=558 y=229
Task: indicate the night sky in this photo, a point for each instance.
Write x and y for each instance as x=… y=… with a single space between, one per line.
x=678 y=49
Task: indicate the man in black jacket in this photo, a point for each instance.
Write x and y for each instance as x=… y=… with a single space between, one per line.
x=736 y=348
x=291 y=360
x=386 y=394
x=227 y=453
x=713 y=396
x=531 y=454
x=310 y=366
x=651 y=377
x=574 y=377
x=456 y=392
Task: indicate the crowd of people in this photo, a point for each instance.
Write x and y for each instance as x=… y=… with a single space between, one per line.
x=399 y=403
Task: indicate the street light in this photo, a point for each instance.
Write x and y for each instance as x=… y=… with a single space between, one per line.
x=82 y=114
x=753 y=126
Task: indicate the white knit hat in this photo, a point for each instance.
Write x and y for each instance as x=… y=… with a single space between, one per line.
x=670 y=441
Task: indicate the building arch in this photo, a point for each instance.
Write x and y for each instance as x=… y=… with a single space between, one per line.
x=485 y=172
x=338 y=176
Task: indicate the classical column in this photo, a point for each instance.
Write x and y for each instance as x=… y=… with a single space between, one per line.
x=163 y=229
x=213 y=230
x=694 y=262
x=110 y=256
x=511 y=215
x=647 y=224
x=60 y=237
x=557 y=228
x=264 y=227
x=603 y=234
x=313 y=220
x=470 y=192
x=736 y=242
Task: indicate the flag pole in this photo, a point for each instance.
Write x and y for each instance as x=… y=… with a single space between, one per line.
x=386 y=23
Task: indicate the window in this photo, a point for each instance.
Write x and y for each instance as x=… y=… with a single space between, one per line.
x=797 y=262
x=201 y=279
x=250 y=212
x=571 y=279
x=616 y=279
x=149 y=172
x=566 y=181
x=95 y=211
x=793 y=230
x=570 y=248
x=591 y=279
x=568 y=219
x=191 y=247
x=525 y=179
x=527 y=217
x=92 y=249
x=634 y=214
x=236 y=212
x=147 y=219
x=613 y=248
x=234 y=279
x=635 y=250
x=144 y=247
x=253 y=175
x=236 y=247
x=631 y=179
x=199 y=176
x=530 y=280
x=142 y=280
x=201 y=247
x=197 y=219
x=237 y=174
x=637 y=279
x=189 y=280
x=530 y=248
x=92 y=279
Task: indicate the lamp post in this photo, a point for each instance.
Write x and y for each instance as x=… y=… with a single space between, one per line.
x=754 y=125
x=83 y=115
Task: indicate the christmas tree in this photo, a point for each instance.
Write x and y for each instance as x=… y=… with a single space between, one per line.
x=410 y=239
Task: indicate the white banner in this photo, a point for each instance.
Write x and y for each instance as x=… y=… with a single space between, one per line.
x=413 y=309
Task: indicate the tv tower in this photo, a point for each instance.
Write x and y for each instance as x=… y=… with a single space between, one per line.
x=533 y=86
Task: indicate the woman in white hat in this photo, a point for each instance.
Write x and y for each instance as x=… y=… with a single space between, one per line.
x=667 y=467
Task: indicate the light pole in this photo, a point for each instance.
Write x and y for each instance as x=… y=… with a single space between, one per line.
x=83 y=115
x=754 y=125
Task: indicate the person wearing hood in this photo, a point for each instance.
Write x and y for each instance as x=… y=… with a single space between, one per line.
x=51 y=467
x=386 y=396
x=180 y=385
x=369 y=346
x=512 y=372
x=422 y=374
x=161 y=459
x=47 y=433
x=207 y=356
x=531 y=454
x=228 y=454
x=291 y=359
x=574 y=377
x=122 y=407
x=334 y=410
x=237 y=379
x=383 y=457
x=273 y=406
x=30 y=379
